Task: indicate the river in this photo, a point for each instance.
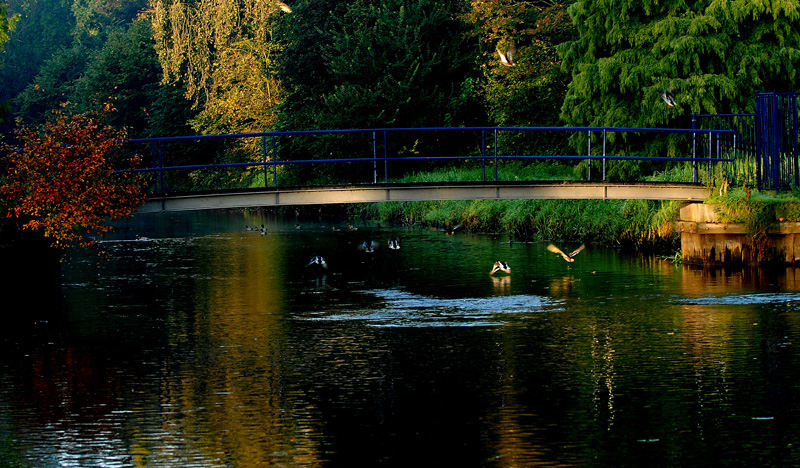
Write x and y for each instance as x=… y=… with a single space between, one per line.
x=194 y=342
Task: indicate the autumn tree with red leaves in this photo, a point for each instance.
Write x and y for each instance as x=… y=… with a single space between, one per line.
x=63 y=179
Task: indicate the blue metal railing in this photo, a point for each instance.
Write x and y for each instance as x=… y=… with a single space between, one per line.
x=742 y=171
x=778 y=140
x=708 y=145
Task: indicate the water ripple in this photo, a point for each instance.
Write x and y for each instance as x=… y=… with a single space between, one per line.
x=742 y=299
x=398 y=308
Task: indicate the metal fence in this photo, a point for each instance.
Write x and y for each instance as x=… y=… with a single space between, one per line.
x=743 y=169
x=777 y=141
x=767 y=143
x=711 y=146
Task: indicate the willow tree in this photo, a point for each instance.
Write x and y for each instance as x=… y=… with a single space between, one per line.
x=224 y=53
x=712 y=55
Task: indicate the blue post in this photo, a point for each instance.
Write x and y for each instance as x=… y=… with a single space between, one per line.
x=708 y=153
x=759 y=134
x=161 y=167
x=589 y=154
x=794 y=134
x=776 y=175
x=274 y=164
x=385 y=159
x=495 y=155
x=264 y=158
x=374 y=159
x=483 y=154
x=604 y=155
x=695 y=175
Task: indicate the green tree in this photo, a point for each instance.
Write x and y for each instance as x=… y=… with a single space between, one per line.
x=526 y=93
x=713 y=55
x=304 y=73
x=126 y=71
x=59 y=38
x=398 y=63
x=395 y=63
x=6 y=25
x=53 y=85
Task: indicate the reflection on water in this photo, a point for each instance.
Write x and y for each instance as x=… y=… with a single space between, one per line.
x=201 y=344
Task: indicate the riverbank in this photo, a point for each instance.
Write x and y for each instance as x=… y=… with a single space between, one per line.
x=638 y=224
x=631 y=223
x=635 y=223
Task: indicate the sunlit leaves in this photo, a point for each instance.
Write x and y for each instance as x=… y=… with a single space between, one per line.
x=7 y=25
x=63 y=179
x=224 y=53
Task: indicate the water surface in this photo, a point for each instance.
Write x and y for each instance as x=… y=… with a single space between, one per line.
x=198 y=343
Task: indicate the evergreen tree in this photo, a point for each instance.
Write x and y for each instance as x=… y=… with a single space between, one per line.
x=712 y=55
x=124 y=71
x=81 y=30
x=303 y=70
x=42 y=29
x=369 y=64
x=396 y=63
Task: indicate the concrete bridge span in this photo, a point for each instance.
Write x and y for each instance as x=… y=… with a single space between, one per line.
x=376 y=193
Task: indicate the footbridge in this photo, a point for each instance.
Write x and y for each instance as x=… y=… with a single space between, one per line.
x=324 y=195
x=485 y=154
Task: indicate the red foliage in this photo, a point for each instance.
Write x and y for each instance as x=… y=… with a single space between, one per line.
x=63 y=180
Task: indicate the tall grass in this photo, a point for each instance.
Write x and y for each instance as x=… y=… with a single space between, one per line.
x=601 y=222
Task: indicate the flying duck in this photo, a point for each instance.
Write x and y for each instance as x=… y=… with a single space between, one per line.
x=318 y=261
x=368 y=246
x=507 y=58
x=451 y=230
x=500 y=266
x=394 y=244
x=571 y=257
x=668 y=97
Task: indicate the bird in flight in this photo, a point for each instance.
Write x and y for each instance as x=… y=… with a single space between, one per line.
x=507 y=58
x=450 y=230
x=668 y=97
x=571 y=257
x=318 y=261
x=500 y=266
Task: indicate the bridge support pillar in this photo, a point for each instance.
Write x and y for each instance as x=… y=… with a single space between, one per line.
x=706 y=241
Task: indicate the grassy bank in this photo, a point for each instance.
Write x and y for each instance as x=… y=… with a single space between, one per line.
x=758 y=211
x=599 y=222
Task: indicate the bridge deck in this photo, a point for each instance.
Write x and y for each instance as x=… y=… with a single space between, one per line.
x=323 y=195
